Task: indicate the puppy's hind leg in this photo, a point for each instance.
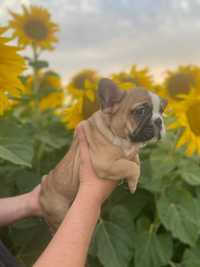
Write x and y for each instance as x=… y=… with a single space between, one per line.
x=54 y=211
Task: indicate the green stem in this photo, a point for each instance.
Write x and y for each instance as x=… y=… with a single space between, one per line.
x=36 y=116
x=151 y=228
x=36 y=86
x=35 y=70
x=40 y=152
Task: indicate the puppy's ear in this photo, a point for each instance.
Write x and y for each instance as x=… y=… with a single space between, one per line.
x=109 y=95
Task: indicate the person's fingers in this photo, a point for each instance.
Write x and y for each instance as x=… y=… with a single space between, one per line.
x=83 y=144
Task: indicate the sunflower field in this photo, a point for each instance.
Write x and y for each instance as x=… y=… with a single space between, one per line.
x=157 y=226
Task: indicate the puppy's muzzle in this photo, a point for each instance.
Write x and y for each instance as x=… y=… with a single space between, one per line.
x=151 y=129
x=158 y=123
x=145 y=134
x=159 y=128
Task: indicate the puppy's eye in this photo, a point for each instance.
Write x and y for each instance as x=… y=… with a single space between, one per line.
x=140 y=111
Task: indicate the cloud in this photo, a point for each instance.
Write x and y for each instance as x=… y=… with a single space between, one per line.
x=111 y=35
x=161 y=35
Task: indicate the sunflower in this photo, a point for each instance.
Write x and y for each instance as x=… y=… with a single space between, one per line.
x=181 y=81
x=50 y=79
x=134 y=77
x=187 y=113
x=80 y=109
x=54 y=99
x=83 y=84
x=51 y=101
x=82 y=88
x=11 y=66
x=50 y=94
x=34 y=27
x=73 y=114
x=4 y=102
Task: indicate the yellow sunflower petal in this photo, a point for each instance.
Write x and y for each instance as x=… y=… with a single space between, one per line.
x=134 y=77
x=91 y=95
x=187 y=113
x=191 y=148
x=173 y=125
x=182 y=140
x=11 y=66
x=73 y=115
x=198 y=146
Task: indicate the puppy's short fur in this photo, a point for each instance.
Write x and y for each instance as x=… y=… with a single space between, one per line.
x=115 y=133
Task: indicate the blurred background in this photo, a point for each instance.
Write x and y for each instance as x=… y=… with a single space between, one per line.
x=52 y=56
x=112 y=35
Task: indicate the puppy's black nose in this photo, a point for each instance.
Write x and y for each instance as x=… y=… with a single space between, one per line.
x=158 y=122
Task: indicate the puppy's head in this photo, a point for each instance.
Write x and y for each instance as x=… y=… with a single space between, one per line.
x=134 y=114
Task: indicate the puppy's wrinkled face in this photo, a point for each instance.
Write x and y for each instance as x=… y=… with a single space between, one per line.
x=145 y=121
x=135 y=115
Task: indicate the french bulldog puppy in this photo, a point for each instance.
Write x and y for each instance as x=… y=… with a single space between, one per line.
x=126 y=121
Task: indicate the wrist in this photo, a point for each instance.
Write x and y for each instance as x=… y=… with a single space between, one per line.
x=91 y=196
x=32 y=205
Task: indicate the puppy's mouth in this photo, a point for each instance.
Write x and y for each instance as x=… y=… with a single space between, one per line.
x=144 y=135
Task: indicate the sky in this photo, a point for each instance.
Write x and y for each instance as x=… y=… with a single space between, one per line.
x=111 y=35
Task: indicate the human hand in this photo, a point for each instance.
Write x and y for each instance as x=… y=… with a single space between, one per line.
x=99 y=189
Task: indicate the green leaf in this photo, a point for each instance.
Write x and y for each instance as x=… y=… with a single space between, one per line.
x=93 y=262
x=114 y=238
x=134 y=203
x=192 y=178
x=15 y=142
x=153 y=250
x=179 y=213
x=26 y=180
x=54 y=135
x=29 y=240
x=8 y=178
x=155 y=170
x=191 y=257
x=143 y=224
x=190 y=172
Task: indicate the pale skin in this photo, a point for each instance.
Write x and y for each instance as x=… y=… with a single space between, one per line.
x=16 y=208
x=70 y=244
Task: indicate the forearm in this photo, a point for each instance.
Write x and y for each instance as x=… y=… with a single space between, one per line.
x=13 y=209
x=70 y=244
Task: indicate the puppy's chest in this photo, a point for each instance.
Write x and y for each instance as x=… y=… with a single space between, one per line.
x=129 y=151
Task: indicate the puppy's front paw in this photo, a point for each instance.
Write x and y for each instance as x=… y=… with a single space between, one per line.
x=133 y=181
x=132 y=184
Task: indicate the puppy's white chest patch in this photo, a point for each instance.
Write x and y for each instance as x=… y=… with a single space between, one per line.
x=126 y=146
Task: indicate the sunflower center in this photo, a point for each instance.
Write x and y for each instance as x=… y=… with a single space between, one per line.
x=79 y=82
x=193 y=115
x=180 y=84
x=36 y=30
